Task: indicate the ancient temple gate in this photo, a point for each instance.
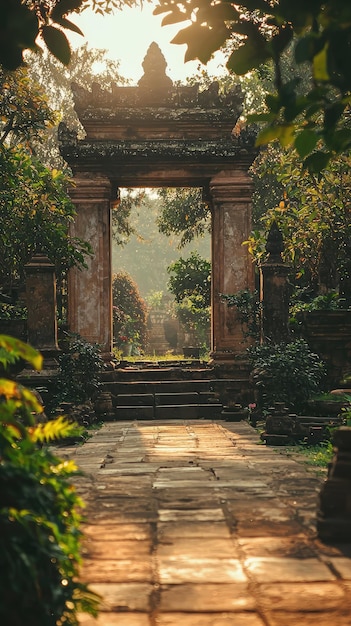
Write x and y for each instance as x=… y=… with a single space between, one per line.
x=159 y=135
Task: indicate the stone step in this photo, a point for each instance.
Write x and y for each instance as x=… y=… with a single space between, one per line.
x=172 y=393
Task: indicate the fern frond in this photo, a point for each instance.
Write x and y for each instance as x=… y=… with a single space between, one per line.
x=55 y=429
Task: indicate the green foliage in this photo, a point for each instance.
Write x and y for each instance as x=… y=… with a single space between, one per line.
x=80 y=367
x=23 y=22
x=190 y=283
x=314 y=220
x=184 y=213
x=190 y=277
x=46 y=70
x=249 y=311
x=24 y=111
x=35 y=212
x=259 y=31
x=148 y=252
x=10 y=311
x=129 y=310
x=286 y=372
x=193 y=315
x=39 y=512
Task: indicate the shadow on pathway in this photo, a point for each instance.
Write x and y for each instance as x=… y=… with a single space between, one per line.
x=194 y=523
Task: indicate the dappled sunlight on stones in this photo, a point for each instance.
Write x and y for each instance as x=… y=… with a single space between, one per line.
x=193 y=598
x=273 y=569
x=193 y=523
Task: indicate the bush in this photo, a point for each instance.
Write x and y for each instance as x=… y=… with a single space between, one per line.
x=288 y=373
x=129 y=310
x=39 y=512
x=190 y=283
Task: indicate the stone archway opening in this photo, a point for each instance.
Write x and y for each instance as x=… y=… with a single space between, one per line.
x=147 y=256
x=159 y=135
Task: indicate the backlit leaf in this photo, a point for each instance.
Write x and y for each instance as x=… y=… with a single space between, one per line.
x=57 y=43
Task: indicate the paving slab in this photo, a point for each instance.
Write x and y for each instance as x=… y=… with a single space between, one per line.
x=196 y=523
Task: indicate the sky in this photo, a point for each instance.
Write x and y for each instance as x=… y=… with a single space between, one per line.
x=126 y=36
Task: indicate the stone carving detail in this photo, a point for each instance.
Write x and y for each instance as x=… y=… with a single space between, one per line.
x=67 y=137
x=275 y=243
x=156 y=89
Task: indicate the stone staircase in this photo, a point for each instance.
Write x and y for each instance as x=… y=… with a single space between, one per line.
x=170 y=390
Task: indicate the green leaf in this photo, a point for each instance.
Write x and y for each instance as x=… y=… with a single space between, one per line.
x=304 y=49
x=65 y=23
x=57 y=44
x=261 y=117
x=202 y=41
x=250 y=55
x=268 y=134
x=305 y=142
x=320 y=65
x=22 y=350
x=273 y=102
x=317 y=161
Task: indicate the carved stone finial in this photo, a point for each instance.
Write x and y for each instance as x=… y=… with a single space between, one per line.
x=275 y=242
x=155 y=84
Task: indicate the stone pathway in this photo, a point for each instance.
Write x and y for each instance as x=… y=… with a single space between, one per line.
x=194 y=523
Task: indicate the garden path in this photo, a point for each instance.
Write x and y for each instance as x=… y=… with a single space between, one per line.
x=194 y=523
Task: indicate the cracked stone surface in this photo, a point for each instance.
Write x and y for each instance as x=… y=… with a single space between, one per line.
x=195 y=523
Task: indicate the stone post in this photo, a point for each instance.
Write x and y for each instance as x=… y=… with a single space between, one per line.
x=334 y=512
x=90 y=289
x=41 y=320
x=274 y=290
x=232 y=268
x=41 y=304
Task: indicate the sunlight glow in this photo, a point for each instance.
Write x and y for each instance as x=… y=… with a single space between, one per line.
x=127 y=35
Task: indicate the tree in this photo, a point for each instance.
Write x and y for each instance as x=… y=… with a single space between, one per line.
x=314 y=217
x=129 y=310
x=184 y=213
x=35 y=210
x=44 y=69
x=25 y=114
x=317 y=122
x=24 y=21
x=190 y=283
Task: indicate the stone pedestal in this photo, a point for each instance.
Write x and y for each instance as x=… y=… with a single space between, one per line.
x=232 y=268
x=90 y=289
x=41 y=319
x=274 y=291
x=334 y=513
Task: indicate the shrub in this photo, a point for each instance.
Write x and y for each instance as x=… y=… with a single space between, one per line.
x=39 y=512
x=190 y=283
x=129 y=310
x=286 y=372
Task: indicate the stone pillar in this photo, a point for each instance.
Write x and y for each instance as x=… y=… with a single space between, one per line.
x=41 y=304
x=232 y=267
x=90 y=289
x=334 y=512
x=274 y=290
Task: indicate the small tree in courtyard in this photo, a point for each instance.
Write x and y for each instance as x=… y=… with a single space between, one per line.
x=129 y=311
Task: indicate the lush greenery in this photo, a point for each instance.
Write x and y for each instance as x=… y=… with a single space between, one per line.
x=39 y=511
x=129 y=311
x=80 y=365
x=190 y=283
x=35 y=210
x=183 y=213
x=24 y=23
x=255 y=32
x=313 y=216
x=286 y=372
